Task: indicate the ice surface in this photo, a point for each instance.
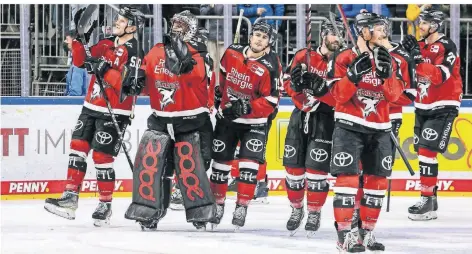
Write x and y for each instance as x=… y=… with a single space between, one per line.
x=28 y=228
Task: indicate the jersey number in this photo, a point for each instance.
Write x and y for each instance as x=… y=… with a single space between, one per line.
x=133 y=62
x=451 y=58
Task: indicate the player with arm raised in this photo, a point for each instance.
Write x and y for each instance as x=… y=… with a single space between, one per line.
x=248 y=85
x=363 y=80
x=437 y=104
x=309 y=134
x=175 y=77
x=111 y=58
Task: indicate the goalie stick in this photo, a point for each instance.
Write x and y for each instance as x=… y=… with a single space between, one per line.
x=392 y=136
x=86 y=21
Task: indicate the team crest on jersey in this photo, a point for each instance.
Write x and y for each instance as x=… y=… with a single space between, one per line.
x=95 y=91
x=423 y=85
x=235 y=95
x=370 y=99
x=167 y=91
x=310 y=100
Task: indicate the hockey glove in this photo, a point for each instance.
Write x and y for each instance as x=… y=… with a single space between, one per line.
x=131 y=84
x=411 y=45
x=383 y=62
x=296 y=77
x=236 y=109
x=315 y=83
x=178 y=57
x=218 y=96
x=360 y=66
x=97 y=66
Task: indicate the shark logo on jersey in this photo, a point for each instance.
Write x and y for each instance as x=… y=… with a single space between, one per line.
x=370 y=99
x=167 y=91
x=267 y=63
x=95 y=91
x=423 y=85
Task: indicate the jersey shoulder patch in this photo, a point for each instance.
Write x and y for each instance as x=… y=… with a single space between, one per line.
x=447 y=44
x=237 y=47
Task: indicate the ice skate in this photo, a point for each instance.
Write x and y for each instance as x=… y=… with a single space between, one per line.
x=295 y=220
x=261 y=193
x=64 y=206
x=220 y=210
x=102 y=214
x=368 y=239
x=348 y=242
x=312 y=223
x=176 y=200
x=422 y=210
x=239 y=216
x=200 y=226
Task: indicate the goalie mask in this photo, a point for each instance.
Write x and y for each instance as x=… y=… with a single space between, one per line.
x=184 y=25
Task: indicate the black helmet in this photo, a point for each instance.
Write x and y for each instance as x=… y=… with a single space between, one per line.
x=367 y=19
x=132 y=14
x=327 y=26
x=263 y=27
x=388 y=24
x=435 y=17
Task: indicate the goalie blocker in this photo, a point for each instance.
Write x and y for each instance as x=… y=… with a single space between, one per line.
x=153 y=171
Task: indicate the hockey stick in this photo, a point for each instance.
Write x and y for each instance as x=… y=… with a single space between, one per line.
x=84 y=20
x=308 y=35
x=137 y=64
x=238 y=27
x=392 y=136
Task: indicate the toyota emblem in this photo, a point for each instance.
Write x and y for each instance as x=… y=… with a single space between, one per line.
x=254 y=145
x=79 y=125
x=429 y=134
x=387 y=163
x=318 y=155
x=103 y=138
x=342 y=159
x=289 y=151
x=218 y=146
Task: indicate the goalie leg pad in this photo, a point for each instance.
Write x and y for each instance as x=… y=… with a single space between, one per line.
x=197 y=196
x=151 y=181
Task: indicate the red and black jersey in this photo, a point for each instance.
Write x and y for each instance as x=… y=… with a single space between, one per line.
x=175 y=96
x=255 y=80
x=439 y=79
x=305 y=100
x=117 y=56
x=406 y=67
x=363 y=107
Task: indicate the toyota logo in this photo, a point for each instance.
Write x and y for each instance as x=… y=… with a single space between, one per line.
x=415 y=140
x=79 y=125
x=254 y=145
x=318 y=155
x=342 y=159
x=103 y=138
x=218 y=146
x=429 y=134
x=387 y=163
x=289 y=151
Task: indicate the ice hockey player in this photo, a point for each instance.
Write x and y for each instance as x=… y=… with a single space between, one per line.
x=307 y=150
x=363 y=80
x=198 y=42
x=437 y=104
x=179 y=130
x=94 y=130
x=262 y=189
x=248 y=85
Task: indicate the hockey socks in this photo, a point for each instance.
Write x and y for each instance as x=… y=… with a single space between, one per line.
x=295 y=184
x=428 y=171
x=345 y=191
x=317 y=189
x=371 y=202
x=105 y=175
x=77 y=164
x=219 y=180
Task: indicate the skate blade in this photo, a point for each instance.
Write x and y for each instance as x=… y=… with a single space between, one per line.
x=145 y=229
x=176 y=207
x=201 y=229
x=236 y=228
x=293 y=232
x=374 y=251
x=423 y=217
x=263 y=201
x=100 y=223
x=310 y=234
x=66 y=213
x=213 y=226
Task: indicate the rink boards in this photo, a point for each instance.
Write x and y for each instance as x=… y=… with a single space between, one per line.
x=36 y=133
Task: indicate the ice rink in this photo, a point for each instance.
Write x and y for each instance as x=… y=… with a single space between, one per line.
x=28 y=228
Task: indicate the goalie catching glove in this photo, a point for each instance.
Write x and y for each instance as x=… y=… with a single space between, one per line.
x=236 y=109
x=178 y=58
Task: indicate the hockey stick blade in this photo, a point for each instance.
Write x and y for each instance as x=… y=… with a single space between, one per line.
x=85 y=22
